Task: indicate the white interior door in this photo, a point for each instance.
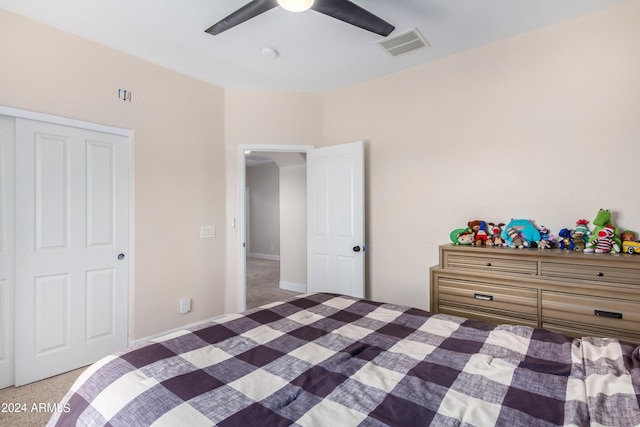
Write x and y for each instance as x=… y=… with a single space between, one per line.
x=6 y=251
x=71 y=268
x=335 y=219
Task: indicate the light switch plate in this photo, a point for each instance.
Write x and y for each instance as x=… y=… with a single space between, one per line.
x=207 y=231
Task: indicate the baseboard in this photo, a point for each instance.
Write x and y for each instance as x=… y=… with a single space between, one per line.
x=133 y=343
x=264 y=256
x=295 y=287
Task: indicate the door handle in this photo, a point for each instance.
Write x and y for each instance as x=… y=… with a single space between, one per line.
x=356 y=249
x=120 y=256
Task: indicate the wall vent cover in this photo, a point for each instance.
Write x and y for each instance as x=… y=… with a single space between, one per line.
x=403 y=43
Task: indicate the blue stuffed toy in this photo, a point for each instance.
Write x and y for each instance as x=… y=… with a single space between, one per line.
x=566 y=241
x=526 y=230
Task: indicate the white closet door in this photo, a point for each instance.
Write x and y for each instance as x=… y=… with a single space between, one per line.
x=6 y=251
x=72 y=240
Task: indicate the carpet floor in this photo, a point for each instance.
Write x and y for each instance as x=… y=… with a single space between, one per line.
x=263 y=283
x=30 y=405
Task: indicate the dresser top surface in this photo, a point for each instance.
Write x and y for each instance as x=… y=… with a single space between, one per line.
x=553 y=254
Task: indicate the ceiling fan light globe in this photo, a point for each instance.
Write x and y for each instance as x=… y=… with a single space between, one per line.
x=295 y=5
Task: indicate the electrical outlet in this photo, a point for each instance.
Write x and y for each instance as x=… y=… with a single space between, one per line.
x=185 y=305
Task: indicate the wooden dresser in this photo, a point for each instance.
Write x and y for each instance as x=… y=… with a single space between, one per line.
x=571 y=292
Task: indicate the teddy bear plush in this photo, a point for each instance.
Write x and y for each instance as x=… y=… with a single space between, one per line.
x=479 y=228
x=579 y=243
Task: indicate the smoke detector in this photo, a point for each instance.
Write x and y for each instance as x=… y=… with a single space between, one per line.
x=403 y=43
x=269 y=52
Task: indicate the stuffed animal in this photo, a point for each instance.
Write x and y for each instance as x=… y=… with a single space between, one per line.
x=495 y=230
x=515 y=239
x=462 y=236
x=565 y=241
x=546 y=238
x=466 y=238
x=629 y=243
x=543 y=244
x=582 y=226
x=580 y=235
x=602 y=220
x=604 y=242
x=579 y=242
x=480 y=229
x=526 y=230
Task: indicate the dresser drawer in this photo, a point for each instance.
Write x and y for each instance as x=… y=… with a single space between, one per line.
x=585 y=271
x=491 y=263
x=592 y=311
x=487 y=316
x=485 y=296
x=582 y=331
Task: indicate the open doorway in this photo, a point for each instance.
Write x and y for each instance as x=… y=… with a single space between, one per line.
x=272 y=264
x=263 y=230
x=333 y=255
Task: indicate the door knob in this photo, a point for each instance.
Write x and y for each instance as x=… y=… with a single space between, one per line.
x=120 y=256
x=356 y=249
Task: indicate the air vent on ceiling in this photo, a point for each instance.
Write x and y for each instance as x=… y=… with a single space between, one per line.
x=408 y=41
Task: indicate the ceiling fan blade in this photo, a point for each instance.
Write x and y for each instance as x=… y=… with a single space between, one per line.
x=353 y=14
x=246 y=12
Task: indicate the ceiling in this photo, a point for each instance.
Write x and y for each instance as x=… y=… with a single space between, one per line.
x=316 y=53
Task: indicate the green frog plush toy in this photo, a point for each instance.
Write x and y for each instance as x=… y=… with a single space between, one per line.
x=603 y=220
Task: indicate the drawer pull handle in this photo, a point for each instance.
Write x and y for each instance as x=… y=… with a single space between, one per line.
x=483 y=297
x=609 y=314
x=488 y=264
x=599 y=274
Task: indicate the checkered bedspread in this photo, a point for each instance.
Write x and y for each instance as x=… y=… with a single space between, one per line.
x=324 y=359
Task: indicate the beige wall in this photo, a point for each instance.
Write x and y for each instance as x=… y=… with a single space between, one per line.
x=536 y=126
x=543 y=126
x=264 y=189
x=178 y=158
x=271 y=118
x=293 y=225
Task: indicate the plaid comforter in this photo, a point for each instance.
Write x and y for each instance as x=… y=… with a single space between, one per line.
x=323 y=359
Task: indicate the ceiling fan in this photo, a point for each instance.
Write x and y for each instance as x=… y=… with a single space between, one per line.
x=344 y=10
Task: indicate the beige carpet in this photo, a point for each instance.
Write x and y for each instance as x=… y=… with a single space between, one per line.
x=263 y=281
x=30 y=405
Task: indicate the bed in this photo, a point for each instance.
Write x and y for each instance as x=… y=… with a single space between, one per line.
x=325 y=359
